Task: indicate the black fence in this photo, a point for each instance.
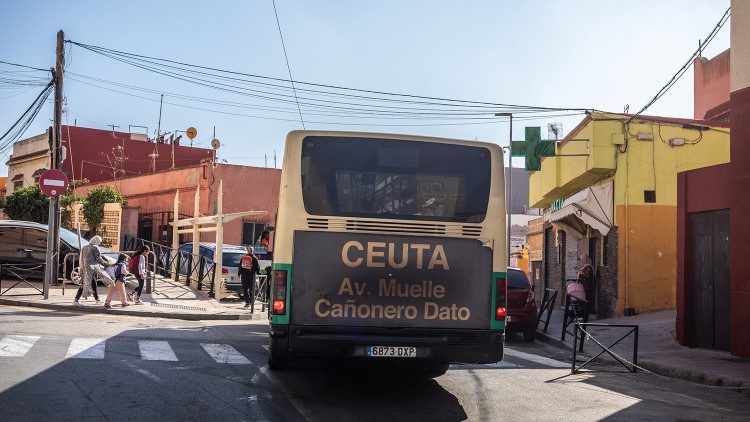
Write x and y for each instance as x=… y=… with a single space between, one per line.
x=20 y=274
x=173 y=263
x=580 y=329
x=548 y=303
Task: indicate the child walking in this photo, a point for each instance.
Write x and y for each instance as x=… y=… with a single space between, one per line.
x=120 y=271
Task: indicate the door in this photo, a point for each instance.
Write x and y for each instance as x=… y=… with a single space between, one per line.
x=709 y=281
x=35 y=246
x=11 y=245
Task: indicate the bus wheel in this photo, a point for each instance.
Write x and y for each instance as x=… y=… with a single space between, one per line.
x=434 y=370
x=275 y=364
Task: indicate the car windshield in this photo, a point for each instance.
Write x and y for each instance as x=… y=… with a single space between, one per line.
x=71 y=238
x=232 y=259
x=517 y=280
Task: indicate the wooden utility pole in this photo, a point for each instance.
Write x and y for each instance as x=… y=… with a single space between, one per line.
x=53 y=223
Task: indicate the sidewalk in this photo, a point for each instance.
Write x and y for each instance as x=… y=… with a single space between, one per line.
x=658 y=350
x=169 y=300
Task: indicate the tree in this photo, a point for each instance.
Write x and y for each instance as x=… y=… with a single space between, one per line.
x=93 y=206
x=31 y=204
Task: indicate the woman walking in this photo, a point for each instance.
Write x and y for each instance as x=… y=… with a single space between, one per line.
x=89 y=259
x=120 y=272
x=137 y=266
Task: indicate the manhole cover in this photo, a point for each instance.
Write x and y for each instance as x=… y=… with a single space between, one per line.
x=183 y=307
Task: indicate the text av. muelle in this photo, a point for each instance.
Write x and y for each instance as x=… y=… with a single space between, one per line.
x=381 y=255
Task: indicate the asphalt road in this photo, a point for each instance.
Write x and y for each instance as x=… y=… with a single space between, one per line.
x=64 y=366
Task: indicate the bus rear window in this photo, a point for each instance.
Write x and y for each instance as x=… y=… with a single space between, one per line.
x=385 y=178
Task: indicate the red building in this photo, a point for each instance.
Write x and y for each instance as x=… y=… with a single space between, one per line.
x=99 y=155
x=713 y=217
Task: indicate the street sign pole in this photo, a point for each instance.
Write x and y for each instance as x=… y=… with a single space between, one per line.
x=53 y=223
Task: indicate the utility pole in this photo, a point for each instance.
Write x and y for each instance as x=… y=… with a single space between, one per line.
x=53 y=223
x=509 y=189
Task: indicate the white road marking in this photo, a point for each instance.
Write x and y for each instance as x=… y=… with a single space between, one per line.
x=143 y=372
x=502 y=364
x=304 y=411
x=156 y=350
x=265 y=346
x=86 y=348
x=17 y=345
x=225 y=353
x=535 y=358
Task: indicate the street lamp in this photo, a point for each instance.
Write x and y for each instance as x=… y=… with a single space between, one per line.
x=509 y=188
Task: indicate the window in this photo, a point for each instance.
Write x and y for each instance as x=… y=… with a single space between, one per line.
x=517 y=280
x=18 y=184
x=386 y=178
x=251 y=232
x=649 y=196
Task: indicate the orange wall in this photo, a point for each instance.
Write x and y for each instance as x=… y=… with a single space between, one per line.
x=710 y=83
x=647 y=257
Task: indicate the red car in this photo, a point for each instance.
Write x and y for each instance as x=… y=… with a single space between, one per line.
x=522 y=311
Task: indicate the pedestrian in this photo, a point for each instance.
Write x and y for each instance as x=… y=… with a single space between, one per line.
x=586 y=278
x=88 y=261
x=121 y=270
x=137 y=267
x=249 y=268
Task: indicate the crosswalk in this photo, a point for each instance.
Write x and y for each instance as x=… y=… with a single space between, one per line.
x=93 y=348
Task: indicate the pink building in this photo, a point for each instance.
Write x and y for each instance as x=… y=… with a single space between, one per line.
x=711 y=87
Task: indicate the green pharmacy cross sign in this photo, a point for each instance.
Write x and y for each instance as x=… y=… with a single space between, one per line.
x=533 y=148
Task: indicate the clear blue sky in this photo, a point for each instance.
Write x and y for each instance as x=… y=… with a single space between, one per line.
x=598 y=54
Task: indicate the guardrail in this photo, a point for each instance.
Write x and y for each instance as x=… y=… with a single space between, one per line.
x=21 y=273
x=548 y=303
x=580 y=329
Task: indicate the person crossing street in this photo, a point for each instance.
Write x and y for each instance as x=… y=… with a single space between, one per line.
x=249 y=268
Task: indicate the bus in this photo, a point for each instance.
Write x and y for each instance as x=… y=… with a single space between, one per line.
x=389 y=248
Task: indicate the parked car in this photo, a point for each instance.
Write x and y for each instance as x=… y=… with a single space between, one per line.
x=522 y=309
x=230 y=263
x=25 y=242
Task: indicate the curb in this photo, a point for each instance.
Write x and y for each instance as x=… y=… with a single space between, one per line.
x=148 y=314
x=678 y=374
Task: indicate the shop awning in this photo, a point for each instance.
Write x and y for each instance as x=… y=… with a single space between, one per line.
x=592 y=205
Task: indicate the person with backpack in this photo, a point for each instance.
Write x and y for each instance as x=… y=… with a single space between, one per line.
x=120 y=271
x=137 y=267
x=249 y=267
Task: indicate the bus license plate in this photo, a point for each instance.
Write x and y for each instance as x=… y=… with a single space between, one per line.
x=391 y=351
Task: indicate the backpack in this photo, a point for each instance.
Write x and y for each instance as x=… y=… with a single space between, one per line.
x=133 y=264
x=118 y=270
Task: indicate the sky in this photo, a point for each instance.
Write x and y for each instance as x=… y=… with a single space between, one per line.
x=603 y=55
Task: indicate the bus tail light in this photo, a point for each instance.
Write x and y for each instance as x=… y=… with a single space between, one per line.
x=279 y=292
x=501 y=290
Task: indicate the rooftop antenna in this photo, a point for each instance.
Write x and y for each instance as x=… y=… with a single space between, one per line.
x=554 y=130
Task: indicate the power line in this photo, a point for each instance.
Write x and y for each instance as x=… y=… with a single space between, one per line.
x=23 y=65
x=115 y=54
x=18 y=128
x=289 y=68
x=682 y=70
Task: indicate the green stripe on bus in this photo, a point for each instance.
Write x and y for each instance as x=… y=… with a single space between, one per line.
x=284 y=319
x=494 y=324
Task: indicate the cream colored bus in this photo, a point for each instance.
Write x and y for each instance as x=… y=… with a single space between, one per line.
x=389 y=248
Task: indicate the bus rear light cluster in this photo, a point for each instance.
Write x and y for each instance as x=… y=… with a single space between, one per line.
x=501 y=290
x=278 y=306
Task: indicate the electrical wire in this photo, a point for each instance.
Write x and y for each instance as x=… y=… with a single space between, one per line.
x=682 y=70
x=25 y=66
x=18 y=128
x=288 y=67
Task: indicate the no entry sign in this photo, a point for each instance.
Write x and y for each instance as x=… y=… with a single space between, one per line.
x=53 y=182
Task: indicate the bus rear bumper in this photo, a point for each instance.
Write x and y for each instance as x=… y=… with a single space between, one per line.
x=432 y=345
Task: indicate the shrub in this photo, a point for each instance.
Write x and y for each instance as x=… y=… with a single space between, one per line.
x=93 y=206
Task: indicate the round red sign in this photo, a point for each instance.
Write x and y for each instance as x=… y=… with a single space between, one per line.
x=53 y=182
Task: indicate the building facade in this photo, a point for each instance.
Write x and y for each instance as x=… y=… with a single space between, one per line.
x=98 y=155
x=245 y=188
x=713 y=259
x=611 y=193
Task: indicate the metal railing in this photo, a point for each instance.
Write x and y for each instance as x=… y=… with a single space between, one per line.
x=548 y=303
x=579 y=329
x=21 y=273
x=150 y=273
x=173 y=263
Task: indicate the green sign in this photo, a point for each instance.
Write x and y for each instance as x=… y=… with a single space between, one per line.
x=533 y=148
x=557 y=204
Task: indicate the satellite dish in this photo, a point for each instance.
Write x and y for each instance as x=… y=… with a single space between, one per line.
x=215 y=144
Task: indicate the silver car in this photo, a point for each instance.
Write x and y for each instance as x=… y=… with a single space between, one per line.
x=230 y=263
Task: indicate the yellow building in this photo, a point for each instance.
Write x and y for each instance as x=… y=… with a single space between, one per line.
x=611 y=193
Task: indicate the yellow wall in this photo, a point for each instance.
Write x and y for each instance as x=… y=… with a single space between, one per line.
x=647 y=232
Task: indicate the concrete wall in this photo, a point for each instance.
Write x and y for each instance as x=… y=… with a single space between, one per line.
x=739 y=176
x=710 y=83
